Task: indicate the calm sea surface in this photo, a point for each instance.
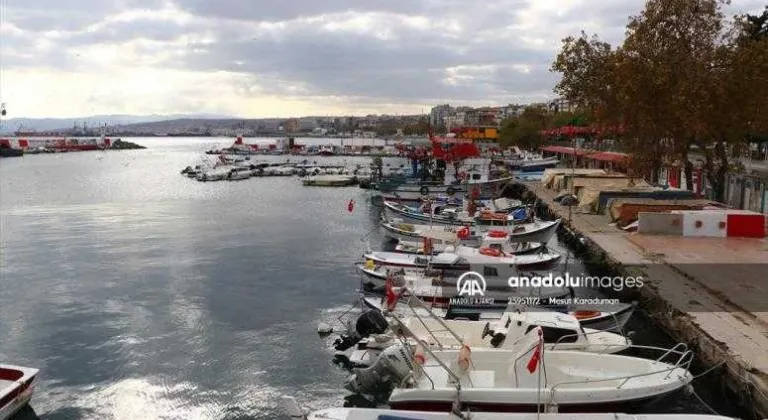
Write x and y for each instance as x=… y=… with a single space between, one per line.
x=142 y=294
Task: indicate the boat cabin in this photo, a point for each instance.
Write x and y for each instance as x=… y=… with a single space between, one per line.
x=556 y=328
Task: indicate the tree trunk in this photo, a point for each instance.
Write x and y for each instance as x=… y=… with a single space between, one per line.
x=722 y=170
x=688 y=167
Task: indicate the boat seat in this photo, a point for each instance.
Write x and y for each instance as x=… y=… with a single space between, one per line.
x=479 y=379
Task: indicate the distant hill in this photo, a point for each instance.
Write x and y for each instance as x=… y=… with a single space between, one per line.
x=50 y=124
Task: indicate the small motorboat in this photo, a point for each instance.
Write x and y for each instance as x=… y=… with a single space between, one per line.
x=527 y=378
x=17 y=384
x=536 y=231
x=295 y=412
x=437 y=241
x=442 y=292
x=239 y=173
x=611 y=318
x=561 y=332
x=454 y=261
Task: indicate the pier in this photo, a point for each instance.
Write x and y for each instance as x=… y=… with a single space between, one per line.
x=708 y=292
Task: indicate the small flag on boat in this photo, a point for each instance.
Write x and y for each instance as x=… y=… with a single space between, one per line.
x=351 y=206
x=533 y=363
x=391 y=300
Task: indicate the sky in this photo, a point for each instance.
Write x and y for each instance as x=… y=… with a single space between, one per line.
x=284 y=58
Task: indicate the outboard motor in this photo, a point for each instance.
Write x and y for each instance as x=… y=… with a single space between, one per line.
x=394 y=364
x=369 y=322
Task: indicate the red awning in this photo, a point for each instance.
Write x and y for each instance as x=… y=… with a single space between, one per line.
x=608 y=157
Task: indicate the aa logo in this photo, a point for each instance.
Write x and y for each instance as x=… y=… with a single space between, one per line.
x=471 y=284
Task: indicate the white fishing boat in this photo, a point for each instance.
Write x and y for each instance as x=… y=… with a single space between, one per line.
x=561 y=332
x=441 y=291
x=456 y=260
x=440 y=241
x=215 y=174
x=295 y=412
x=536 y=231
x=329 y=181
x=279 y=171
x=412 y=247
x=528 y=378
x=239 y=173
x=17 y=384
x=605 y=317
x=449 y=215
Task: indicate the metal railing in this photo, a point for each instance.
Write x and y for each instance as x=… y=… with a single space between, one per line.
x=684 y=362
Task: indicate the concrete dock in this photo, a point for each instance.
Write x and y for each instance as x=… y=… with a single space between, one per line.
x=710 y=293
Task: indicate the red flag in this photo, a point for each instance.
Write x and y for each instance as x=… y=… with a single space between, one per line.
x=392 y=297
x=533 y=363
x=351 y=206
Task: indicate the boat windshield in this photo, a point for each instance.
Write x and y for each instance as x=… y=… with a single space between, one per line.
x=553 y=334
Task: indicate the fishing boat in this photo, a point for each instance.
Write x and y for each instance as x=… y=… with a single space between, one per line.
x=527 y=378
x=610 y=317
x=441 y=291
x=17 y=384
x=239 y=173
x=434 y=242
x=483 y=187
x=329 y=181
x=532 y=163
x=215 y=174
x=456 y=260
x=536 y=231
x=451 y=215
x=561 y=332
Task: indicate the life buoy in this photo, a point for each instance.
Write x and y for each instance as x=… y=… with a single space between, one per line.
x=585 y=314
x=491 y=252
x=424 y=190
x=463 y=233
x=497 y=234
x=450 y=190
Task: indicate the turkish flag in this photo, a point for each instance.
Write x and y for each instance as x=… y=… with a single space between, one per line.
x=533 y=363
x=392 y=297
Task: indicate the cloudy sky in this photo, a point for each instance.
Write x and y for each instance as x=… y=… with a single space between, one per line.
x=260 y=58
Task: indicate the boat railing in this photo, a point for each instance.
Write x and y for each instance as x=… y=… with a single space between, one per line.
x=402 y=334
x=684 y=362
x=418 y=309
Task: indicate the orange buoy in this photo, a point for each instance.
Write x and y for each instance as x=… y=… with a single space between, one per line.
x=491 y=252
x=497 y=234
x=585 y=314
x=463 y=233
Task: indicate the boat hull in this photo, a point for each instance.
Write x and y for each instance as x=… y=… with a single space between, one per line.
x=455 y=270
x=610 y=321
x=628 y=406
x=402 y=231
x=606 y=322
x=17 y=386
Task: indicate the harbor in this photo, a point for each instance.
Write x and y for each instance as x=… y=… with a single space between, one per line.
x=208 y=300
x=272 y=224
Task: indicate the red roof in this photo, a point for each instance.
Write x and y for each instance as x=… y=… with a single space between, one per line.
x=609 y=157
x=564 y=150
